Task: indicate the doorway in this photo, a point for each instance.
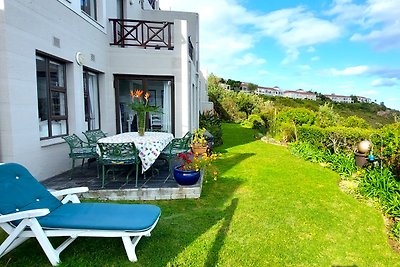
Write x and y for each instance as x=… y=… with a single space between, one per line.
x=161 y=91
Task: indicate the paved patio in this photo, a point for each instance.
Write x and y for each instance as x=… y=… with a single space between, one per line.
x=151 y=186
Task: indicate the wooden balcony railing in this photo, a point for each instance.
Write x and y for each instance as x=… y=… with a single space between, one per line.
x=127 y=32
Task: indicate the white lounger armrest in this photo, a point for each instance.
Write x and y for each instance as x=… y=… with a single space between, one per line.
x=23 y=215
x=70 y=194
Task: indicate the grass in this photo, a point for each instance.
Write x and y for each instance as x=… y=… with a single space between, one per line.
x=268 y=208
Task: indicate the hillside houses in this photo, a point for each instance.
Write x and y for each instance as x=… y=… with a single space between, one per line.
x=296 y=94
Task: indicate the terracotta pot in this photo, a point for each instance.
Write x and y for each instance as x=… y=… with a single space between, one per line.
x=199 y=149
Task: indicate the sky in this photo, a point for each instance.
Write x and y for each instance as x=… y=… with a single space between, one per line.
x=345 y=47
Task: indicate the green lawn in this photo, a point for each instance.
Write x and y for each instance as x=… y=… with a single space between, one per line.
x=269 y=208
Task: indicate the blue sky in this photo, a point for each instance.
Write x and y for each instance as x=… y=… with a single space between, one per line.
x=331 y=46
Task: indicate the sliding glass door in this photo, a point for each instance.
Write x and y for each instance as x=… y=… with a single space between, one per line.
x=161 y=95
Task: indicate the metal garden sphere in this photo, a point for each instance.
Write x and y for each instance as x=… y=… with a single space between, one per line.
x=364 y=146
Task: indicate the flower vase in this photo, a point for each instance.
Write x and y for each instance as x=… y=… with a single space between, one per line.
x=141 y=120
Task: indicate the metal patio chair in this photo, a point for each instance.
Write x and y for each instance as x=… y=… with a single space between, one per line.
x=79 y=149
x=116 y=155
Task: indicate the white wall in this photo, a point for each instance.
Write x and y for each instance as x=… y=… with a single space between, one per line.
x=27 y=26
x=30 y=26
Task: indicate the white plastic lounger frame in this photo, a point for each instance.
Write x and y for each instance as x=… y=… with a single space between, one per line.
x=30 y=227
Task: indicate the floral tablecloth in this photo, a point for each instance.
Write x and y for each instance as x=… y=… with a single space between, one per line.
x=150 y=145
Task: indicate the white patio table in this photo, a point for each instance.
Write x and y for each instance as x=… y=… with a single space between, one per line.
x=149 y=145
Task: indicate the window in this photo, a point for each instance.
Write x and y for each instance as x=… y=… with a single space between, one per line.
x=91 y=94
x=89 y=7
x=161 y=95
x=52 y=97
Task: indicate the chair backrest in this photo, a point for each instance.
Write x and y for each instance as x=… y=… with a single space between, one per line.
x=93 y=136
x=118 y=152
x=20 y=191
x=73 y=141
x=180 y=145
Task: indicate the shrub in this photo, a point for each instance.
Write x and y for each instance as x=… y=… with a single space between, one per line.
x=356 y=122
x=298 y=116
x=380 y=184
x=326 y=116
x=212 y=123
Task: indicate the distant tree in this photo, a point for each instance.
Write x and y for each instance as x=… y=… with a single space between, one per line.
x=252 y=87
x=323 y=97
x=234 y=84
x=213 y=81
x=354 y=99
x=245 y=103
x=327 y=116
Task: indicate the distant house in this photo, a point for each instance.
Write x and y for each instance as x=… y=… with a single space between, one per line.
x=225 y=86
x=339 y=98
x=363 y=99
x=244 y=87
x=275 y=91
x=300 y=94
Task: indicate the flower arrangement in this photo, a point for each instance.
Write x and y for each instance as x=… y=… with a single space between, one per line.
x=140 y=104
x=194 y=162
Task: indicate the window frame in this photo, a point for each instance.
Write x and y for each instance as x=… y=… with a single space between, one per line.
x=50 y=89
x=88 y=12
x=87 y=71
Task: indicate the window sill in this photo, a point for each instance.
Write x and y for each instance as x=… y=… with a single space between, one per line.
x=50 y=142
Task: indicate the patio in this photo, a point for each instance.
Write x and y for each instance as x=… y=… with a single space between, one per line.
x=151 y=186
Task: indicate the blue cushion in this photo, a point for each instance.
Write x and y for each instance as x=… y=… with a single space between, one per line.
x=20 y=191
x=102 y=216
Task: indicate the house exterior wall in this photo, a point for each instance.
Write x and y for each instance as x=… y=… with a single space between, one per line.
x=28 y=27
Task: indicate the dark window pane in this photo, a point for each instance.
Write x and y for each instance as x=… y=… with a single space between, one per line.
x=57 y=104
x=56 y=74
x=42 y=91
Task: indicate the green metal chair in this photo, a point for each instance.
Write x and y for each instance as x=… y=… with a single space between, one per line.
x=79 y=149
x=175 y=147
x=115 y=155
x=93 y=136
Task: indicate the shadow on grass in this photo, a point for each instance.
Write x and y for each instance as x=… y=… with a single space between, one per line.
x=212 y=257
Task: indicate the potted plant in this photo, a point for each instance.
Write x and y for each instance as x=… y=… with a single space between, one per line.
x=199 y=143
x=188 y=171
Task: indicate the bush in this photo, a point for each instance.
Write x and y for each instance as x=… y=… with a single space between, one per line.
x=212 y=123
x=356 y=122
x=380 y=184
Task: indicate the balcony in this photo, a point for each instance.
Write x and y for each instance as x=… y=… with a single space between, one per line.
x=127 y=32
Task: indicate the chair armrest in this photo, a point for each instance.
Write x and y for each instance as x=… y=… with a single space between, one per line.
x=69 y=191
x=70 y=194
x=23 y=215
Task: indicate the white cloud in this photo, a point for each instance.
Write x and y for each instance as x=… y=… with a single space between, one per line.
x=311 y=49
x=316 y=58
x=356 y=70
x=370 y=92
x=379 y=21
x=263 y=72
x=384 y=82
x=296 y=27
x=305 y=67
x=249 y=59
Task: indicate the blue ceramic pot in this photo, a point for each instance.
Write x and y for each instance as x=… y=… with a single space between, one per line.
x=186 y=177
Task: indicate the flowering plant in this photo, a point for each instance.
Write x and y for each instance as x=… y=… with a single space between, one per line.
x=139 y=103
x=194 y=162
x=198 y=137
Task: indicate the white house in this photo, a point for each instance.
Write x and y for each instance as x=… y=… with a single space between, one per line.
x=275 y=91
x=339 y=98
x=300 y=94
x=68 y=66
x=363 y=99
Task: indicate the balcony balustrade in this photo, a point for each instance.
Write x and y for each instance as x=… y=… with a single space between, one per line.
x=127 y=32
